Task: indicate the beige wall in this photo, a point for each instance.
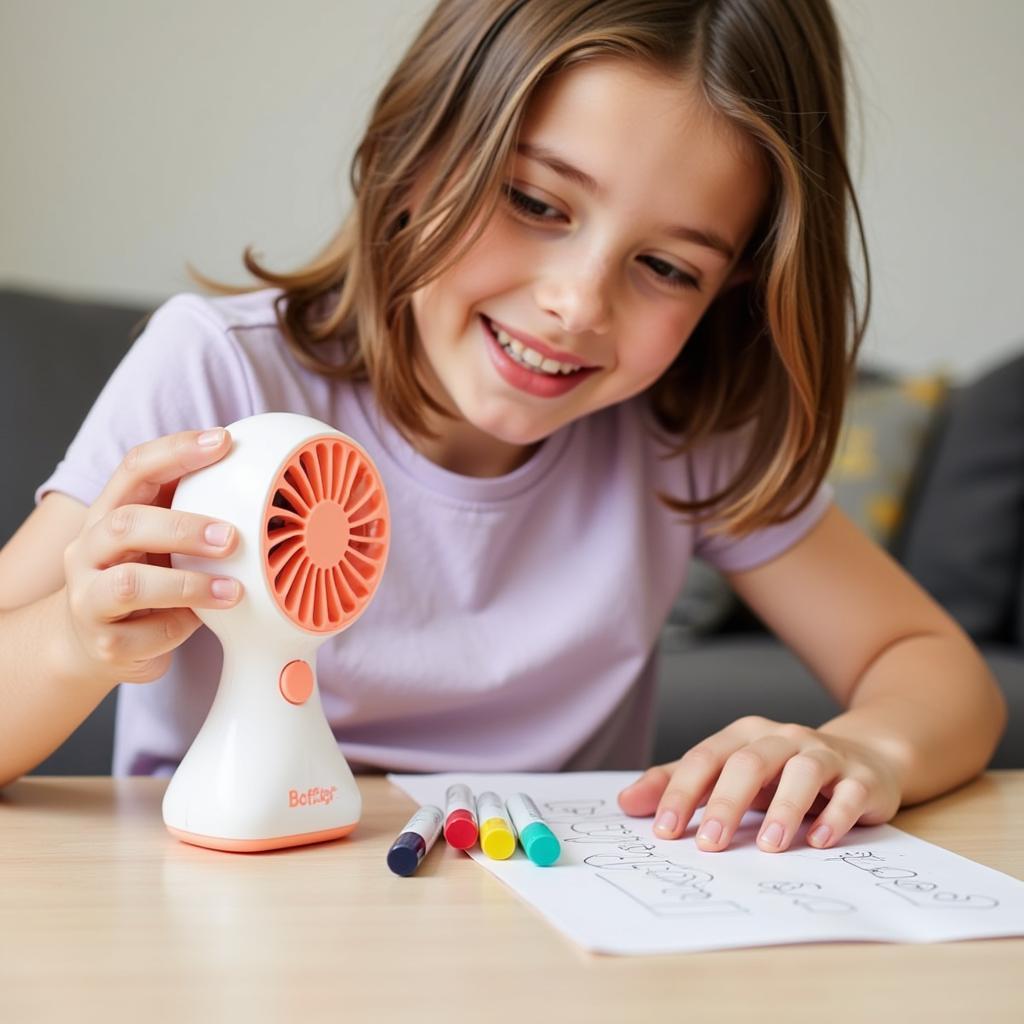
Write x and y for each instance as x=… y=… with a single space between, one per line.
x=138 y=134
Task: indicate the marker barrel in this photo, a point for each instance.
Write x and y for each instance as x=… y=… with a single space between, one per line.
x=539 y=843
x=497 y=836
x=415 y=840
x=460 y=824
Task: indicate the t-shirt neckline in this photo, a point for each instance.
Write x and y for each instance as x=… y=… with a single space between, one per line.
x=442 y=481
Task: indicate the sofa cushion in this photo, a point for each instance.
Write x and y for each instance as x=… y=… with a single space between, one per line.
x=708 y=685
x=705 y=686
x=965 y=535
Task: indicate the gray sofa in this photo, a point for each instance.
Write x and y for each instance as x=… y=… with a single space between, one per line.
x=962 y=534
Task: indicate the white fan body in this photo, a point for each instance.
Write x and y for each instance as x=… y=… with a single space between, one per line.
x=265 y=770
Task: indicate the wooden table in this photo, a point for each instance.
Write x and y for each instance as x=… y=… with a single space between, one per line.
x=105 y=917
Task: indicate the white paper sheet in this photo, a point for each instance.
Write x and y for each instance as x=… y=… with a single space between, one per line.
x=618 y=889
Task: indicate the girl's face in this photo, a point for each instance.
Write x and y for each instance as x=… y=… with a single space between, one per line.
x=628 y=204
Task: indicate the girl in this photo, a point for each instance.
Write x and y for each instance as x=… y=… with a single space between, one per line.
x=591 y=315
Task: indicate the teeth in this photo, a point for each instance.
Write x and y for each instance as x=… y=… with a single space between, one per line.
x=528 y=357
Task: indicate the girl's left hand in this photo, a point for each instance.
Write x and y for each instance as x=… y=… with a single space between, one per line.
x=755 y=764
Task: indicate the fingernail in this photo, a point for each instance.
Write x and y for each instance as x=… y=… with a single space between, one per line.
x=667 y=822
x=217 y=534
x=224 y=589
x=210 y=438
x=711 y=831
x=821 y=835
x=772 y=835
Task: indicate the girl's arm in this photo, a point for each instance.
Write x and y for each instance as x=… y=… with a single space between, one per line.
x=88 y=597
x=915 y=687
x=43 y=701
x=924 y=713
x=43 y=697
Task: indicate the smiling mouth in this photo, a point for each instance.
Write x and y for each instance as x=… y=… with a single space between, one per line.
x=530 y=358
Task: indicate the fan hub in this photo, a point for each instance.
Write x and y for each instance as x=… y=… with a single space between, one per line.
x=327 y=534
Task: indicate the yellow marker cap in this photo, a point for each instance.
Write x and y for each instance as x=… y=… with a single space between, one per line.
x=496 y=840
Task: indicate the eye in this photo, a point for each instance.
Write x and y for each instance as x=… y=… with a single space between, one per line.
x=530 y=207
x=670 y=275
x=537 y=210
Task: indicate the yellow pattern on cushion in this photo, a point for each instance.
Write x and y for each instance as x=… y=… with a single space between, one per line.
x=929 y=391
x=855 y=456
x=884 y=513
x=885 y=426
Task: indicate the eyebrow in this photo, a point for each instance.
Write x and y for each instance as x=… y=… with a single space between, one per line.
x=562 y=167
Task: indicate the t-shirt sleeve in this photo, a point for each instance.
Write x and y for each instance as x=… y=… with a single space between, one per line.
x=184 y=372
x=712 y=466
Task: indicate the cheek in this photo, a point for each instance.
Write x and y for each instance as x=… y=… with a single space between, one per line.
x=485 y=269
x=493 y=266
x=650 y=343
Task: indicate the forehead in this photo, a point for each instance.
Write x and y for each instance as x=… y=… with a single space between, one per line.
x=654 y=146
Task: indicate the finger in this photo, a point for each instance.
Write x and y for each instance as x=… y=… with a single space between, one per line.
x=690 y=784
x=148 y=467
x=693 y=776
x=802 y=779
x=640 y=798
x=763 y=800
x=131 y=530
x=137 y=642
x=849 y=803
x=743 y=775
x=133 y=586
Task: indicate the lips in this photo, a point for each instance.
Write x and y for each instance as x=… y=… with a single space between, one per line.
x=538 y=346
x=533 y=382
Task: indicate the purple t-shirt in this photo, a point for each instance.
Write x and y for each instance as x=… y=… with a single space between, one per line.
x=516 y=623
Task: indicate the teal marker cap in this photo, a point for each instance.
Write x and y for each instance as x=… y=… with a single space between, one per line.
x=541 y=844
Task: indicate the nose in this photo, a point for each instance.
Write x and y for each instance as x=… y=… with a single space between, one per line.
x=577 y=295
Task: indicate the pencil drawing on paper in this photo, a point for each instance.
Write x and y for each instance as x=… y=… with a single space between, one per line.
x=908 y=885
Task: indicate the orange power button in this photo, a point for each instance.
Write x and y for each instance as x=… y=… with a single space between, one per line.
x=296 y=682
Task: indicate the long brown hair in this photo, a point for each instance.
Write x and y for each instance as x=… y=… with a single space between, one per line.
x=774 y=354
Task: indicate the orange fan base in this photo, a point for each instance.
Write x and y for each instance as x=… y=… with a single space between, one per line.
x=259 y=845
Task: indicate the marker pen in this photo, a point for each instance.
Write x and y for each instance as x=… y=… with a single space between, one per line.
x=497 y=837
x=415 y=840
x=460 y=827
x=539 y=842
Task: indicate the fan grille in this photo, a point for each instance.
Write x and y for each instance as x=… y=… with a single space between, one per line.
x=325 y=534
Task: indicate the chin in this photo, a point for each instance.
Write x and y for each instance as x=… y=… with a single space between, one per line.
x=517 y=430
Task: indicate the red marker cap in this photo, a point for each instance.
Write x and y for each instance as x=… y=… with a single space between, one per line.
x=460 y=829
x=460 y=825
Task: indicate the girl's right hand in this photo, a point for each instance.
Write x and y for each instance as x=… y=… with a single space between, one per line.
x=128 y=608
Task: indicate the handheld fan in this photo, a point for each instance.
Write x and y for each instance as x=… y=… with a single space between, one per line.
x=265 y=770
